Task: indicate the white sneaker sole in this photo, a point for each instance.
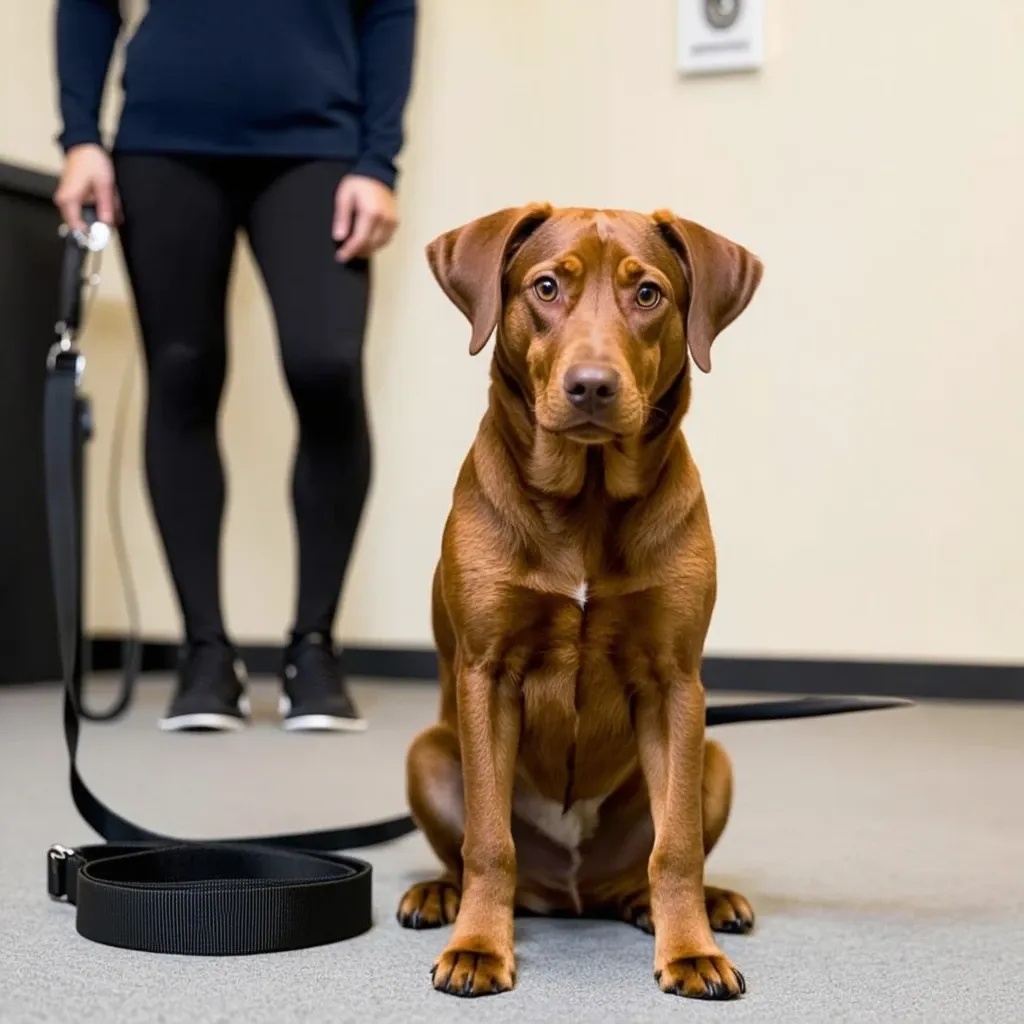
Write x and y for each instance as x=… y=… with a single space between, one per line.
x=210 y=721
x=316 y=723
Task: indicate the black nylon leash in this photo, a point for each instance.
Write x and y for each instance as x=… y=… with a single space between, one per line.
x=142 y=890
x=800 y=707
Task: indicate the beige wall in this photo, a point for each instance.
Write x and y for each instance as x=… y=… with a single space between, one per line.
x=861 y=435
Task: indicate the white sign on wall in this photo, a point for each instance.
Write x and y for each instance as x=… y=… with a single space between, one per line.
x=716 y=36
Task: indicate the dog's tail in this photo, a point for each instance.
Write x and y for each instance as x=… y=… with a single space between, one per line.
x=802 y=707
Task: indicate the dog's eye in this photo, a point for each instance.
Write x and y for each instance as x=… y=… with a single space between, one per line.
x=546 y=288
x=648 y=295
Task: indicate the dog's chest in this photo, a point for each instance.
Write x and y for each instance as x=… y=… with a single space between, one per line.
x=576 y=732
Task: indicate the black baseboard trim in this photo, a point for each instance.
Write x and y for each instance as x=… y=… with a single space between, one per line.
x=913 y=680
x=937 y=681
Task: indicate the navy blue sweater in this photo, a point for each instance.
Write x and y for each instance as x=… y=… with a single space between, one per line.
x=296 y=78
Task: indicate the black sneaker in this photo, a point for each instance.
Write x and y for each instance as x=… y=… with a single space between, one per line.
x=316 y=697
x=210 y=696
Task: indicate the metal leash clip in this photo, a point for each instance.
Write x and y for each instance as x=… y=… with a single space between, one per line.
x=57 y=861
x=79 y=247
x=94 y=238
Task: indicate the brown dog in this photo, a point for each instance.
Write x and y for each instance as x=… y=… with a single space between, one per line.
x=569 y=772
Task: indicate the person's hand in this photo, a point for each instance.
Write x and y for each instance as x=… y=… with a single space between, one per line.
x=365 y=217
x=87 y=178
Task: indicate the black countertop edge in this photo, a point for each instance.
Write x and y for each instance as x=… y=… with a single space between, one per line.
x=27 y=181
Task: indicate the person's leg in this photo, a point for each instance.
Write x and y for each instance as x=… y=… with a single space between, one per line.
x=178 y=238
x=320 y=308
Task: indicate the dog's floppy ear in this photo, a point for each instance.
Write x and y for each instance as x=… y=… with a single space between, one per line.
x=722 y=275
x=469 y=262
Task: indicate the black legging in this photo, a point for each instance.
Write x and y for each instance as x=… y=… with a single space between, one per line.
x=181 y=218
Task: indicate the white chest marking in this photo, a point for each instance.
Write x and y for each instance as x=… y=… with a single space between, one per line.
x=569 y=828
x=579 y=595
x=566 y=828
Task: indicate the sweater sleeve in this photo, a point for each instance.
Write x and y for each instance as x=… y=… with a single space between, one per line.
x=86 y=31
x=387 y=30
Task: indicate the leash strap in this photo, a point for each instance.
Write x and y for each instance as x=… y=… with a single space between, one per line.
x=800 y=707
x=142 y=890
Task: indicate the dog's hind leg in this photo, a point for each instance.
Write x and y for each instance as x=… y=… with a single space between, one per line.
x=434 y=785
x=728 y=911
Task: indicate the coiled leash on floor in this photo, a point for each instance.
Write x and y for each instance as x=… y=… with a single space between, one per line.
x=146 y=891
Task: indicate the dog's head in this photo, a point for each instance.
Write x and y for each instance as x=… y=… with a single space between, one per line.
x=595 y=310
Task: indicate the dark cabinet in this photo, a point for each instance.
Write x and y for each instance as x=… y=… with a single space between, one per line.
x=31 y=252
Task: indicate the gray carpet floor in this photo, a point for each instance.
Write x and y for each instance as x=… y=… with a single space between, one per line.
x=884 y=854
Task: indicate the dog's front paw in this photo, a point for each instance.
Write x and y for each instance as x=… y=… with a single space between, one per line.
x=429 y=905
x=701 y=977
x=469 y=972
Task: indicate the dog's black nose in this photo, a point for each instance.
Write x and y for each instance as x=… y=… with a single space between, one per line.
x=591 y=387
